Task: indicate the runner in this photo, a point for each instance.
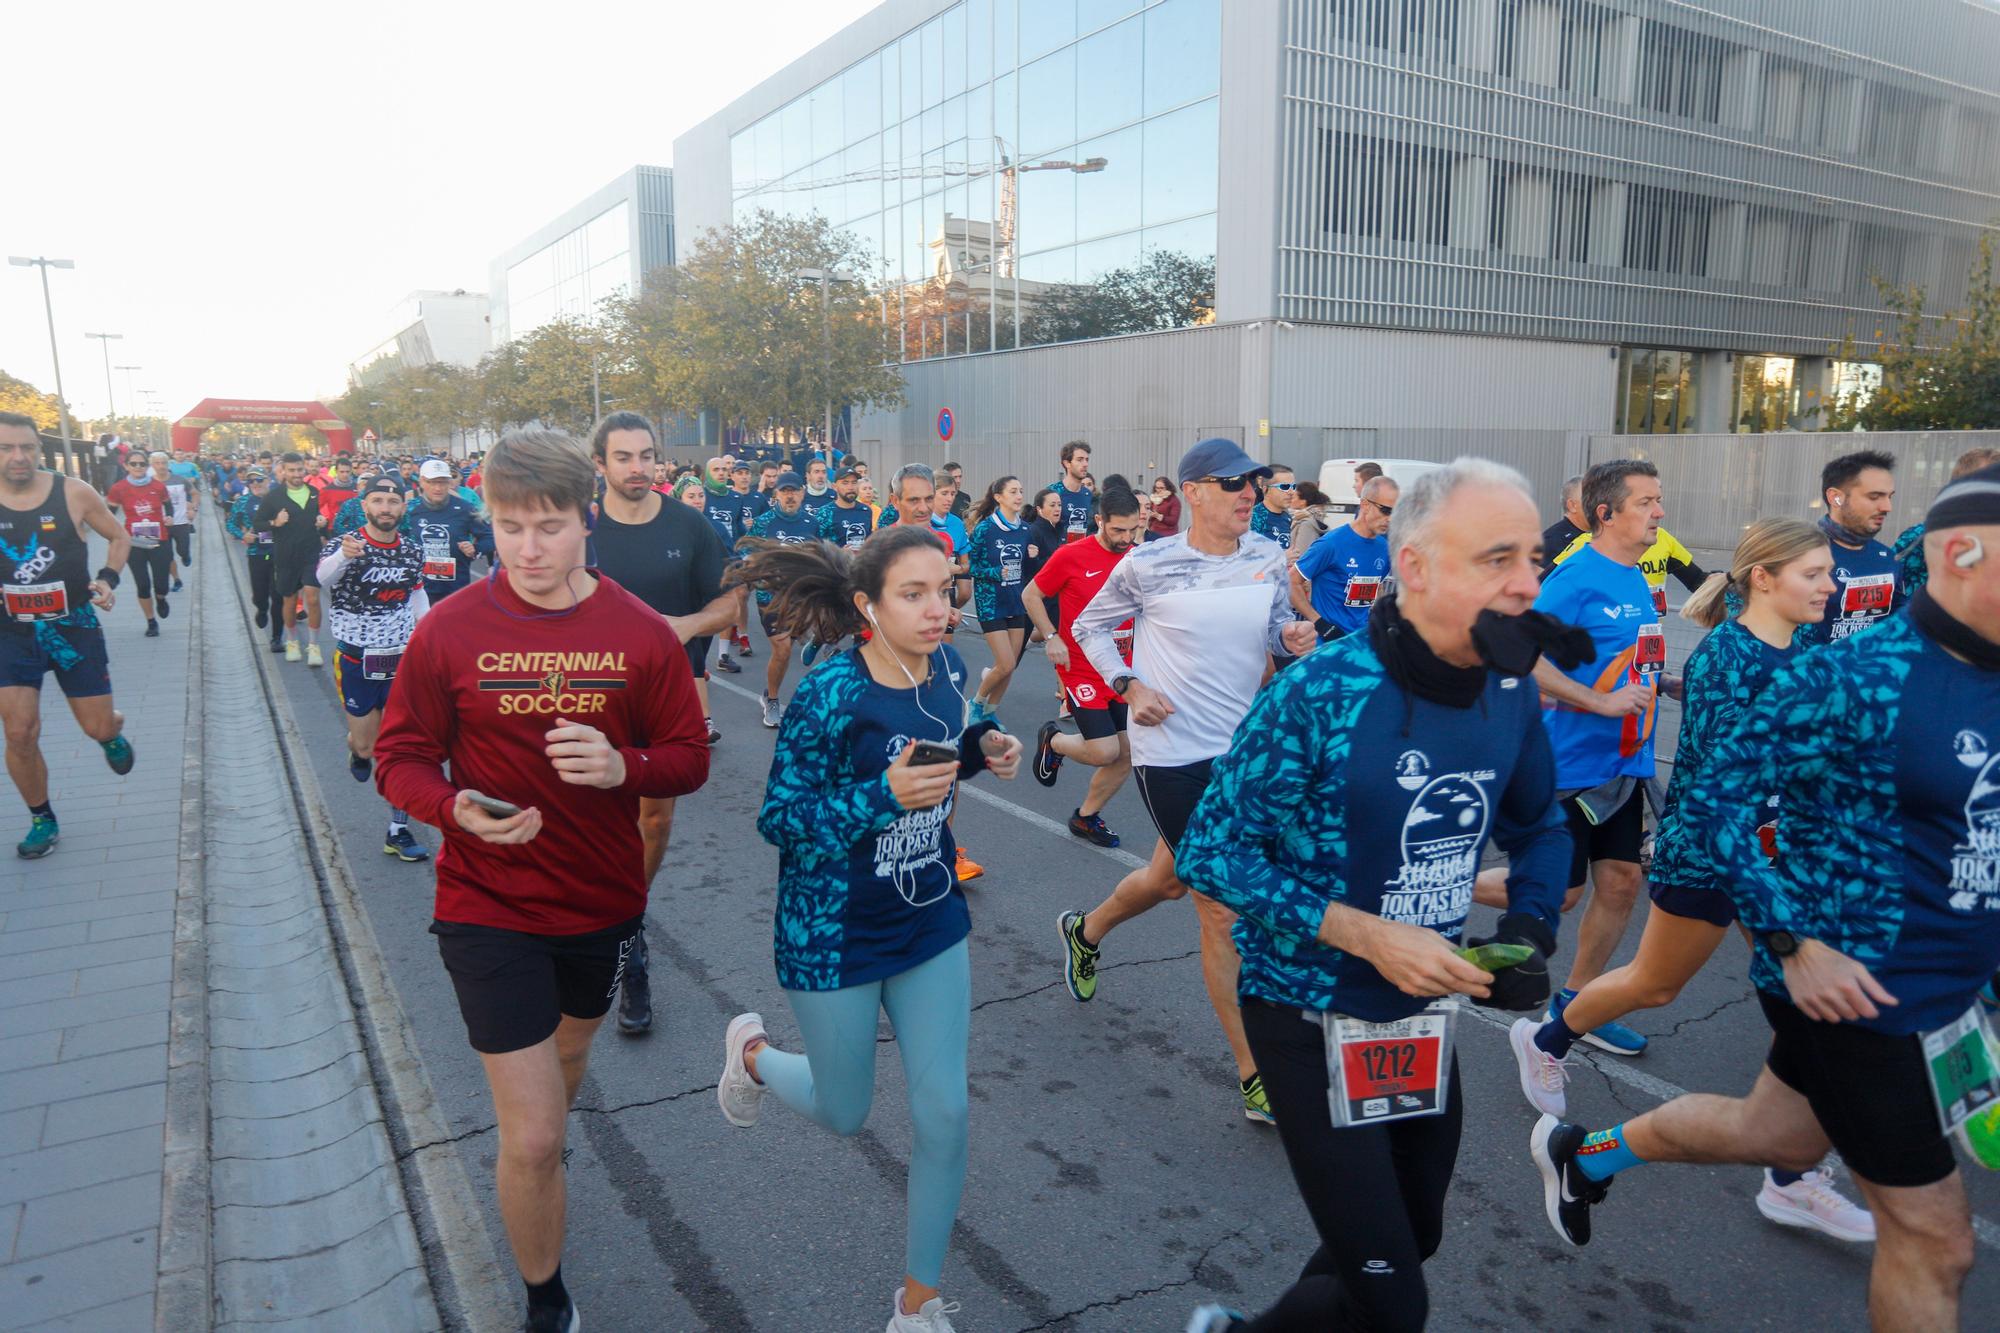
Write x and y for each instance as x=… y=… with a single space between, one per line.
x=1859 y=490
x=870 y=917
x=995 y=553
x=668 y=557
x=1601 y=714
x=785 y=522
x=1339 y=577
x=819 y=495
x=183 y=482
x=1363 y=474
x=242 y=525
x=1209 y=610
x=1557 y=536
x=846 y=522
x=289 y=513
x=1912 y=573
x=1665 y=556
x=374 y=585
x=1079 y=503
x=747 y=510
x=956 y=539
x=449 y=529
x=1273 y=515
x=553 y=689
x=340 y=488
x=1069 y=579
x=1424 y=730
x=141 y=501
x=48 y=618
x=1871 y=945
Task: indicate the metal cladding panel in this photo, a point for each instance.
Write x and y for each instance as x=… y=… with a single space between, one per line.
x=653 y=219
x=1326 y=375
x=1246 y=260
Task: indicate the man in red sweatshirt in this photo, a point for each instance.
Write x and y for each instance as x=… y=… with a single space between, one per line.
x=551 y=689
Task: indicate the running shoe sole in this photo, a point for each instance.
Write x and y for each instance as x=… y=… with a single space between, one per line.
x=37 y=853
x=1527 y=1058
x=734 y=1038
x=1785 y=1215
x=410 y=855
x=1596 y=1042
x=1095 y=834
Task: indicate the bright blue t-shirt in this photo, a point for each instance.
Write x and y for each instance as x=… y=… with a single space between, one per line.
x=953 y=527
x=1613 y=604
x=1347 y=572
x=1867 y=587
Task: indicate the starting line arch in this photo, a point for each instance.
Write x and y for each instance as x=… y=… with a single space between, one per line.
x=188 y=428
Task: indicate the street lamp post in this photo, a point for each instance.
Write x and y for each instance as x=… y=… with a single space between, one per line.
x=131 y=399
x=48 y=307
x=826 y=277
x=104 y=340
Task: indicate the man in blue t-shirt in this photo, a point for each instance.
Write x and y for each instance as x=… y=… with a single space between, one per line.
x=1601 y=715
x=1337 y=580
x=1079 y=502
x=1859 y=490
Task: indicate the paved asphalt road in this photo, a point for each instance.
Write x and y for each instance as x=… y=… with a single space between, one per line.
x=1113 y=1182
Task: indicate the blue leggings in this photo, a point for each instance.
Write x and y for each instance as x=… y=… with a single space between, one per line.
x=832 y=1084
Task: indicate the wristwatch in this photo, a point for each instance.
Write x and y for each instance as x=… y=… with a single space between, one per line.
x=1781 y=943
x=1118 y=683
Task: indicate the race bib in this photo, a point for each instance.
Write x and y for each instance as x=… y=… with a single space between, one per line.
x=148 y=531
x=1363 y=589
x=439 y=563
x=1958 y=1057
x=1649 y=655
x=1869 y=597
x=1378 y=1072
x=1122 y=640
x=1660 y=600
x=1010 y=571
x=263 y=539
x=380 y=663
x=36 y=601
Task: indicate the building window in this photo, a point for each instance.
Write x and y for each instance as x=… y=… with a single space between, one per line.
x=1800 y=103
x=1557 y=47
x=1666 y=231
x=1680 y=72
x=1765 y=396
x=1656 y=391
x=1421 y=29
x=1387 y=189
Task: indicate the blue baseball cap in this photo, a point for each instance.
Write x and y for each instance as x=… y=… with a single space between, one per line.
x=1219 y=458
x=789 y=481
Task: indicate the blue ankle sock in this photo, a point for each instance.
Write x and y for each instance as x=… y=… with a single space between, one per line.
x=1555 y=1038
x=1604 y=1154
x=1784 y=1178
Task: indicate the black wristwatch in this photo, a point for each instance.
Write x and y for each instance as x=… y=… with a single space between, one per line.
x=1781 y=943
x=1118 y=683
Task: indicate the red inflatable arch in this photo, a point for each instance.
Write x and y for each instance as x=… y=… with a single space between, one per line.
x=209 y=411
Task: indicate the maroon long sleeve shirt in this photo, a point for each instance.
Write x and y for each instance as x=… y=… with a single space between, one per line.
x=485 y=678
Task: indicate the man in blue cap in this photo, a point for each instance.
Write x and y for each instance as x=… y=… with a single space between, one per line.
x=1209 y=608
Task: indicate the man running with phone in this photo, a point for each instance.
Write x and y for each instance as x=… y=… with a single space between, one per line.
x=553 y=689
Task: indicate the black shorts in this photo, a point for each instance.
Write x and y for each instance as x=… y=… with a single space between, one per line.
x=74 y=652
x=290 y=573
x=1710 y=905
x=182 y=535
x=1097 y=724
x=1170 y=793
x=1000 y=623
x=764 y=622
x=697 y=651
x=1869 y=1092
x=514 y=988
x=1616 y=839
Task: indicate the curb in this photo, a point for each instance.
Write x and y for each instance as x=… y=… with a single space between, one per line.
x=184 y=1297
x=471 y=1290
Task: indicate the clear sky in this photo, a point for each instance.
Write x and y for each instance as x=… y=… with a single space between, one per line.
x=247 y=189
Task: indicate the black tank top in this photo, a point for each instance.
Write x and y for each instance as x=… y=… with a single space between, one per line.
x=44 y=564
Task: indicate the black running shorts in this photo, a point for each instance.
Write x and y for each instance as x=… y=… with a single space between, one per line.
x=1098 y=724
x=1616 y=839
x=514 y=988
x=1869 y=1092
x=289 y=573
x=1171 y=792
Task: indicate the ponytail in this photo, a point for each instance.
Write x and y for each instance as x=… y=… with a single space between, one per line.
x=1706 y=606
x=812 y=584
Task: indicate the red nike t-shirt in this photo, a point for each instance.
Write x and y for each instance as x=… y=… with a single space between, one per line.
x=144 y=508
x=1072 y=576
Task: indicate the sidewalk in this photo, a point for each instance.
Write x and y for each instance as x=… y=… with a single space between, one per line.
x=217 y=1095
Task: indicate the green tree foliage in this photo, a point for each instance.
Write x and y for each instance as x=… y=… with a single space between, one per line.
x=1169 y=290
x=1954 y=385
x=17 y=395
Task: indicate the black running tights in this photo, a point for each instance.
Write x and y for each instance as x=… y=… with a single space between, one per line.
x=1376 y=1194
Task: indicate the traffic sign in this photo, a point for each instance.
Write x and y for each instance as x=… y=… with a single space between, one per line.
x=368 y=436
x=946 y=424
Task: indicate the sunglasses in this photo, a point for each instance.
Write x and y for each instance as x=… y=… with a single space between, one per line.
x=1229 y=484
x=1284 y=485
x=1386 y=509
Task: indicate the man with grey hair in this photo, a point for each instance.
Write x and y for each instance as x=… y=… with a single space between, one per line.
x=1423 y=731
x=1557 y=536
x=1339 y=577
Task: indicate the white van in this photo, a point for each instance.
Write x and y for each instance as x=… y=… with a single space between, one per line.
x=1336 y=478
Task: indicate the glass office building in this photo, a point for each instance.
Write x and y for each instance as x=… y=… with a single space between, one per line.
x=1687 y=205
x=603 y=246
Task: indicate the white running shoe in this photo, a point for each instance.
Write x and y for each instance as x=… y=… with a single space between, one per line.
x=313 y=656
x=740 y=1095
x=1542 y=1075
x=1813 y=1203
x=930 y=1318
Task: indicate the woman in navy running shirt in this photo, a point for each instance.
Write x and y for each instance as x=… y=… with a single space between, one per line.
x=998 y=553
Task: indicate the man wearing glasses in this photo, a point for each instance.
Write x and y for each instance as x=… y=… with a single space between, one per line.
x=1339 y=577
x=1208 y=609
x=1273 y=517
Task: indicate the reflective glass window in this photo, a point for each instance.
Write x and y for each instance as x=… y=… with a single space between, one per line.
x=1095 y=259
x=933 y=57
x=864 y=195
x=1109 y=78
x=1107 y=201
x=954 y=51
x=1051 y=266
x=1183 y=46
x=1048 y=209
x=1006 y=112
x=1046 y=25
x=1048 y=103
x=978 y=42
x=1180 y=163
x=742 y=159
x=1193 y=237
x=1094 y=14
x=892 y=83
x=797 y=121
x=913 y=74
x=861 y=95
x=770 y=149
x=1006 y=35
x=954 y=119
x=828 y=118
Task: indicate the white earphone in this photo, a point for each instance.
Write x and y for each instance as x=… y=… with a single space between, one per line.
x=1971 y=555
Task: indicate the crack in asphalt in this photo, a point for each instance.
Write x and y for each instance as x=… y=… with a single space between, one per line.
x=1194 y=1275
x=1675 y=1030
x=478 y=1130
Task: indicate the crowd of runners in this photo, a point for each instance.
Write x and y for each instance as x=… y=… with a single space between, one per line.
x=1346 y=731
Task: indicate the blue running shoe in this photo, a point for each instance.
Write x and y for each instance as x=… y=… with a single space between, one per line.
x=41 y=839
x=1613 y=1038
x=403 y=845
x=810 y=653
x=118 y=754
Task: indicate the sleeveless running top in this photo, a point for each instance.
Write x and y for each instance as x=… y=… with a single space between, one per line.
x=44 y=564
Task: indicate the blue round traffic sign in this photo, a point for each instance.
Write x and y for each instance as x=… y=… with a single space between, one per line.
x=945 y=424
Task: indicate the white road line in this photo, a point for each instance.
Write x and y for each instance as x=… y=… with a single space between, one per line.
x=1987 y=1233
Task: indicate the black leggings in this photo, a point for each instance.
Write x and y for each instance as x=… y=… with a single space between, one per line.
x=1376 y=1194
x=263 y=597
x=148 y=566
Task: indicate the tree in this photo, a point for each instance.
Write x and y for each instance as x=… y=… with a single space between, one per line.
x=1950 y=386
x=1169 y=290
x=17 y=395
x=735 y=329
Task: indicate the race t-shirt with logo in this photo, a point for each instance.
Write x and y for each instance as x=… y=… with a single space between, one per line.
x=144 y=509
x=331 y=499
x=242 y=523
x=1072 y=576
x=997 y=550
x=1665 y=556
x=816 y=502
x=788 y=529
x=1612 y=603
x=44 y=566
x=845 y=525
x=1346 y=573
x=1077 y=507
x=1866 y=587
x=438 y=531
x=1278 y=526
x=725 y=514
x=369 y=601
x=1885 y=752
x=866 y=889
x=177 y=499
x=1341 y=787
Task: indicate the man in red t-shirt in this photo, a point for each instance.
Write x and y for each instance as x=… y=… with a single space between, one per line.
x=1072 y=576
x=567 y=700
x=335 y=491
x=142 y=502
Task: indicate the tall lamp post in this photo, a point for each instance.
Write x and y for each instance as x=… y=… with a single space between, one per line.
x=825 y=278
x=131 y=399
x=105 y=340
x=48 y=307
